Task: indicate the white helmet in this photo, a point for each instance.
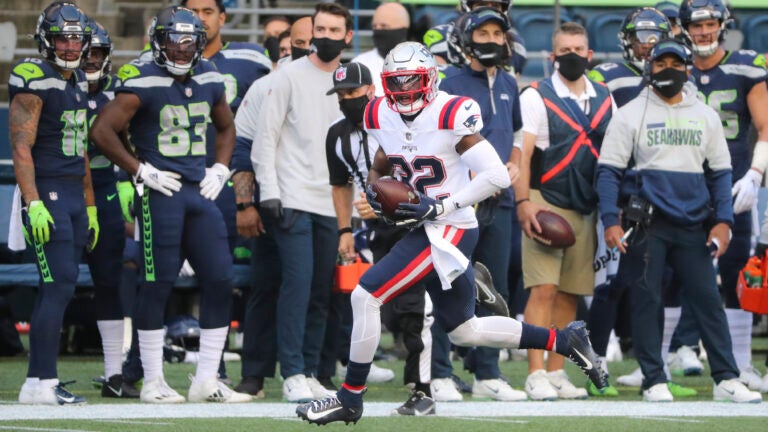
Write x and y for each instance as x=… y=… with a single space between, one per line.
x=409 y=77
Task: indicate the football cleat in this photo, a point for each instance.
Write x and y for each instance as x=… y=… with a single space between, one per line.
x=157 y=391
x=485 y=293
x=579 y=351
x=115 y=387
x=418 y=404
x=213 y=390
x=609 y=391
x=328 y=410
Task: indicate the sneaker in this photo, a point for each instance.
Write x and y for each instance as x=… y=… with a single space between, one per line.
x=634 y=379
x=486 y=294
x=751 y=378
x=733 y=390
x=444 y=390
x=580 y=352
x=418 y=404
x=39 y=394
x=613 y=350
x=538 y=387
x=296 y=389
x=609 y=391
x=318 y=390
x=328 y=410
x=380 y=375
x=764 y=387
x=158 y=391
x=213 y=390
x=685 y=362
x=28 y=393
x=564 y=387
x=496 y=389
x=115 y=387
x=679 y=391
x=658 y=393
x=461 y=385
x=253 y=386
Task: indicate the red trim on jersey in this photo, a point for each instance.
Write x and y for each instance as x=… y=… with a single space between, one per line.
x=551 y=340
x=448 y=113
x=454 y=111
x=371 y=115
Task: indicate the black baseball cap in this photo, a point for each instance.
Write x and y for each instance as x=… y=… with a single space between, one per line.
x=350 y=75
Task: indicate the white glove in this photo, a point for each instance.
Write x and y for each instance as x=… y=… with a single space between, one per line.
x=165 y=182
x=215 y=179
x=745 y=190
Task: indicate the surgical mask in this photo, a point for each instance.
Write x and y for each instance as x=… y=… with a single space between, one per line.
x=385 y=40
x=571 y=66
x=328 y=49
x=297 y=53
x=488 y=54
x=272 y=46
x=669 y=81
x=354 y=108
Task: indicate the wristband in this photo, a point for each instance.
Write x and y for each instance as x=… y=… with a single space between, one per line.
x=345 y=230
x=520 y=201
x=243 y=206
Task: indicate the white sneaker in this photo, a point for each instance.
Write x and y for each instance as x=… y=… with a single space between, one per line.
x=30 y=394
x=159 y=392
x=380 y=375
x=317 y=389
x=751 y=378
x=764 y=387
x=564 y=387
x=538 y=387
x=613 y=351
x=733 y=390
x=296 y=389
x=496 y=389
x=635 y=379
x=684 y=362
x=658 y=393
x=444 y=390
x=213 y=390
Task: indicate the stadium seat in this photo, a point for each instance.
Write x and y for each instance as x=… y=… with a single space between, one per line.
x=603 y=32
x=755 y=30
x=536 y=29
x=8 y=41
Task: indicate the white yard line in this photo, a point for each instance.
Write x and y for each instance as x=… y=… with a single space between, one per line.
x=667 y=419
x=23 y=428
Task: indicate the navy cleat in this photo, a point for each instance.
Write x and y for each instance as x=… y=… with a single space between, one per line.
x=65 y=397
x=579 y=350
x=328 y=410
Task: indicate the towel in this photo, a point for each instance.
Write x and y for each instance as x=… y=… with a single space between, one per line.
x=606 y=260
x=16 y=240
x=448 y=260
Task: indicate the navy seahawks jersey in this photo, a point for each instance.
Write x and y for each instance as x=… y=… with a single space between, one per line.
x=725 y=88
x=169 y=128
x=102 y=169
x=62 y=131
x=624 y=80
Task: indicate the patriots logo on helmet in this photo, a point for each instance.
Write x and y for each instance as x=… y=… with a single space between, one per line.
x=471 y=122
x=341 y=74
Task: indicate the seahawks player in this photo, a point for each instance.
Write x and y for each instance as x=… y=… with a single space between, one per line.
x=640 y=31
x=48 y=126
x=166 y=106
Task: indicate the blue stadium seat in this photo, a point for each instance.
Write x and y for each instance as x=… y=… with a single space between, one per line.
x=603 y=32
x=536 y=29
x=755 y=30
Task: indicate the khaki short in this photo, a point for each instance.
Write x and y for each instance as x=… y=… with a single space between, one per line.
x=570 y=269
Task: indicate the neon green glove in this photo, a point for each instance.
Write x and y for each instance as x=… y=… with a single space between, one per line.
x=41 y=221
x=125 y=191
x=93 y=228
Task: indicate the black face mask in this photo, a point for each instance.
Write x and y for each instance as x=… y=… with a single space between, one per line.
x=297 y=53
x=488 y=54
x=669 y=81
x=571 y=66
x=328 y=49
x=272 y=46
x=385 y=40
x=354 y=108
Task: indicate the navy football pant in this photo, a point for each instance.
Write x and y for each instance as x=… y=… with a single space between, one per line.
x=106 y=260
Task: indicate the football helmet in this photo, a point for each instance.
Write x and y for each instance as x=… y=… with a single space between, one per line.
x=65 y=23
x=177 y=39
x=95 y=66
x=474 y=20
x=640 y=30
x=502 y=6
x=409 y=77
x=183 y=331
x=699 y=10
x=442 y=41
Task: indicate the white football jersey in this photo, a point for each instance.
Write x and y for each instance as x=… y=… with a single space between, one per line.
x=423 y=152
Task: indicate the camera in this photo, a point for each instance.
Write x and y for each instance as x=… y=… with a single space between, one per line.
x=638 y=211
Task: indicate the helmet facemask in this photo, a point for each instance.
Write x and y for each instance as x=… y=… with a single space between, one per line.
x=409 y=91
x=98 y=64
x=179 y=52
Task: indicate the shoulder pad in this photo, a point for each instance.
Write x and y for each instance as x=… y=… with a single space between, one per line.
x=127 y=72
x=455 y=106
x=371 y=115
x=29 y=70
x=595 y=75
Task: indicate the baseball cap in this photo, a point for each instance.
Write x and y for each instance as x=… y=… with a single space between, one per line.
x=669 y=9
x=350 y=75
x=671 y=47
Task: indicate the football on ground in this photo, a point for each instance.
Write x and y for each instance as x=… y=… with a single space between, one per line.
x=390 y=192
x=556 y=232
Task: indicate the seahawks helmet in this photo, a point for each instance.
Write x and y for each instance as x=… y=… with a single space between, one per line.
x=183 y=331
x=63 y=22
x=97 y=68
x=442 y=41
x=409 y=77
x=643 y=26
x=700 y=10
x=502 y=6
x=177 y=39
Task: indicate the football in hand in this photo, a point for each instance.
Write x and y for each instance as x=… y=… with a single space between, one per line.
x=556 y=232
x=390 y=192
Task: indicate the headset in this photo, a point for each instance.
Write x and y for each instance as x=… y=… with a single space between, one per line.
x=687 y=60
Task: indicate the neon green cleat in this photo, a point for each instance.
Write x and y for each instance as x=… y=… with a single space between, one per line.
x=679 y=391
x=609 y=391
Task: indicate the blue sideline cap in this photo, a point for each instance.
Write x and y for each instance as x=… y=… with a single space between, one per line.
x=669 y=9
x=671 y=47
x=349 y=76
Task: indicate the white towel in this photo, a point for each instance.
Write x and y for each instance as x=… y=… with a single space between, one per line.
x=16 y=240
x=606 y=260
x=448 y=260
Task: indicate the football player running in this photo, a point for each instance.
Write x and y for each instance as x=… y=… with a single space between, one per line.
x=176 y=190
x=430 y=140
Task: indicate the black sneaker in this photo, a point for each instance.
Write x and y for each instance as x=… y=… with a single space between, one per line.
x=418 y=404
x=579 y=351
x=115 y=387
x=64 y=397
x=327 y=382
x=485 y=293
x=328 y=410
x=253 y=386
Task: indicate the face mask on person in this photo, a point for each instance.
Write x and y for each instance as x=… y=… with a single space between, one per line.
x=354 y=108
x=385 y=40
x=668 y=82
x=272 y=46
x=488 y=54
x=297 y=53
x=328 y=49
x=571 y=66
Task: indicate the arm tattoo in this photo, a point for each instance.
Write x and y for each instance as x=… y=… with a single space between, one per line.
x=244 y=186
x=23 y=117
